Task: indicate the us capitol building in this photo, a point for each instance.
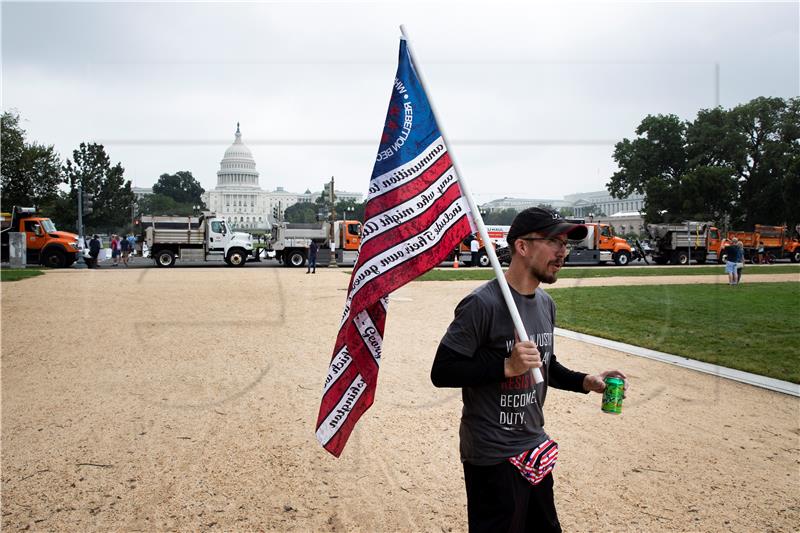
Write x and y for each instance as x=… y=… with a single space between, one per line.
x=240 y=200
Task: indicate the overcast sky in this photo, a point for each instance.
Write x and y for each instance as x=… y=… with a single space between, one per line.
x=531 y=96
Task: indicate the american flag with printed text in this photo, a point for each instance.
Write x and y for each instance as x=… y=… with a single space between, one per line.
x=414 y=218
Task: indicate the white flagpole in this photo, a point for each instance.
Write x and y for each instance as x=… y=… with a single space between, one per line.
x=476 y=215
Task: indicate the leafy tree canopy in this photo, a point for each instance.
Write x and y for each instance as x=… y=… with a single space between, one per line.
x=31 y=173
x=301 y=212
x=501 y=217
x=161 y=204
x=90 y=168
x=310 y=212
x=736 y=167
x=350 y=209
x=181 y=187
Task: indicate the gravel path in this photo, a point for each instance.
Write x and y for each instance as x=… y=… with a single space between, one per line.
x=153 y=399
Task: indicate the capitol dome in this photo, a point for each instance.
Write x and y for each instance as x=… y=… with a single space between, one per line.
x=237 y=168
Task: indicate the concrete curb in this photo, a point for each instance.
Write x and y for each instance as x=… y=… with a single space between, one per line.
x=772 y=384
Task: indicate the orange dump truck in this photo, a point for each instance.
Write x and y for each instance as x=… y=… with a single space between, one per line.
x=44 y=244
x=599 y=246
x=775 y=239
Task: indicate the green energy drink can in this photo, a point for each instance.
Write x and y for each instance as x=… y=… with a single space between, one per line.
x=612 y=396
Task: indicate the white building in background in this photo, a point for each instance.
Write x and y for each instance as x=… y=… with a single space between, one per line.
x=240 y=200
x=601 y=203
x=598 y=206
x=584 y=204
x=141 y=192
x=519 y=204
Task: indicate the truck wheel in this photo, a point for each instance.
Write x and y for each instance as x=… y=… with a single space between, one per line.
x=796 y=256
x=622 y=258
x=296 y=258
x=237 y=258
x=54 y=259
x=165 y=258
x=679 y=257
x=483 y=259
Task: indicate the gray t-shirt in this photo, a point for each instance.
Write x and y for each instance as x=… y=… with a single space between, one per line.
x=503 y=419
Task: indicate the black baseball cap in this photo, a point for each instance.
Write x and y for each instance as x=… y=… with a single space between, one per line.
x=546 y=221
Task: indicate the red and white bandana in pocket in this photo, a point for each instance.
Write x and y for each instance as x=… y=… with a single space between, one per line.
x=535 y=464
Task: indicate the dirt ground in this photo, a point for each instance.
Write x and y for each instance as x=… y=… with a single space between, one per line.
x=186 y=398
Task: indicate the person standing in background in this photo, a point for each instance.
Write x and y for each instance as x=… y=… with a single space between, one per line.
x=731 y=251
x=115 y=252
x=125 y=249
x=94 y=251
x=473 y=248
x=760 y=253
x=312 y=258
x=739 y=261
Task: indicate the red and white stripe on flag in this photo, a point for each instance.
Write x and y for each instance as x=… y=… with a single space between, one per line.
x=414 y=218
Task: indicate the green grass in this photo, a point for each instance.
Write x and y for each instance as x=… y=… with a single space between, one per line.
x=453 y=274
x=16 y=274
x=753 y=327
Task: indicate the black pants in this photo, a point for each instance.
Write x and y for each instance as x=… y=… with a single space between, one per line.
x=500 y=499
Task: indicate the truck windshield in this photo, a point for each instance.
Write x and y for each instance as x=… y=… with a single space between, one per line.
x=48 y=225
x=607 y=231
x=354 y=229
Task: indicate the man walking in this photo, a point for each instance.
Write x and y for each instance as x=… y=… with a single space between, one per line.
x=507 y=456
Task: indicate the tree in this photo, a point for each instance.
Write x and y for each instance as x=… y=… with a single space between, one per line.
x=30 y=173
x=765 y=160
x=350 y=209
x=301 y=212
x=502 y=217
x=652 y=164
x=739 y=166
x=161 y=204
x=90 y=168
x=181 y=187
